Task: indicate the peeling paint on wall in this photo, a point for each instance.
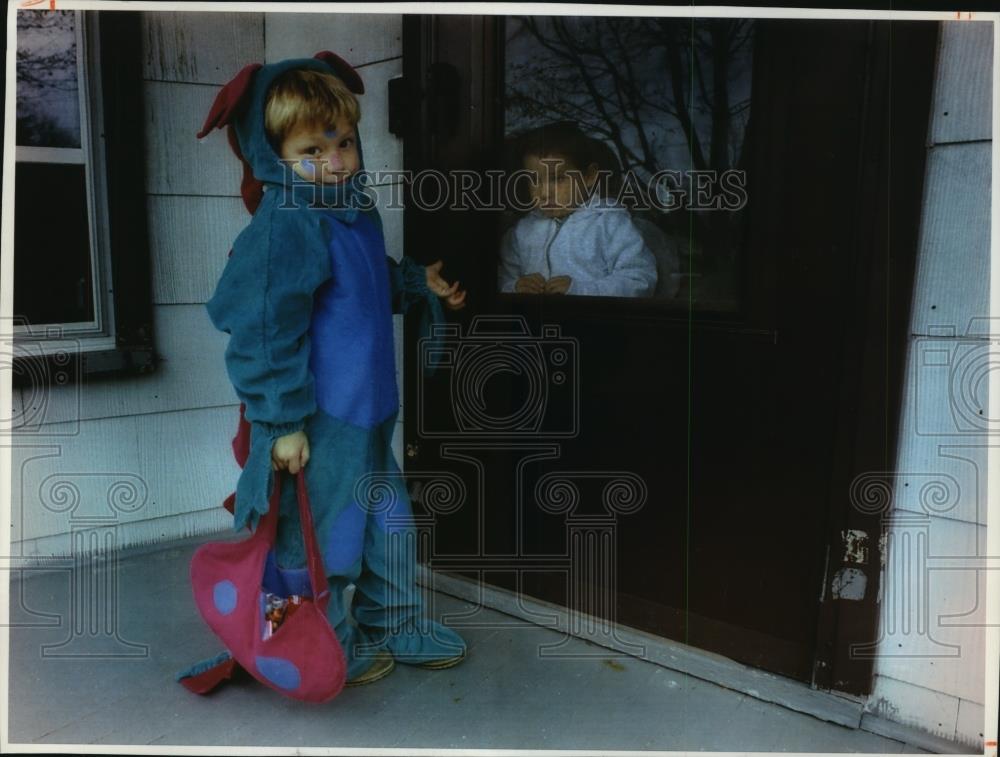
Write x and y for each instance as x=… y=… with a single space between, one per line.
x=883 y=708
x=849 y=583
x=855 y=546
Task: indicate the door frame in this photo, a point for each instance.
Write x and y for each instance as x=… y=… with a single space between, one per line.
x=886 y=211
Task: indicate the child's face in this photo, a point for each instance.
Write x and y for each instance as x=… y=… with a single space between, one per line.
x=556 y=191
x=323 y=154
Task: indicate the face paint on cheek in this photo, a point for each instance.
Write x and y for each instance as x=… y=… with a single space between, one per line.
x=307 y=168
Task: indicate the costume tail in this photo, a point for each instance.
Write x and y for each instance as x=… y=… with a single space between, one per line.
x=207 y=675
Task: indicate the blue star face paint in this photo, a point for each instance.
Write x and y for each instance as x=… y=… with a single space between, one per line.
x=330 y=133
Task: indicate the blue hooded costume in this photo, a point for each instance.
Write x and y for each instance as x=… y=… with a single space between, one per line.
x=307 y=298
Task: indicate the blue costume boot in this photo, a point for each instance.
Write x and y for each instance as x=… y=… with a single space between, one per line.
x=387 y=601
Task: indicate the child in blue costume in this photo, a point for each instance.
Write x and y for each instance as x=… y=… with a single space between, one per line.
x=307 y=297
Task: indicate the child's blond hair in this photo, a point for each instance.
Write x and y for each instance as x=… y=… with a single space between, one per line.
x=303 y=97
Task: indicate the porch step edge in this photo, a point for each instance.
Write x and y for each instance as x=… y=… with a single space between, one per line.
x=666 y=653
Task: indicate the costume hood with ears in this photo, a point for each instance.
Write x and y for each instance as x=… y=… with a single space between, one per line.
x=240 y=107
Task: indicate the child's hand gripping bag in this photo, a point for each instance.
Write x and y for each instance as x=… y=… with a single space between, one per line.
x=302 y=658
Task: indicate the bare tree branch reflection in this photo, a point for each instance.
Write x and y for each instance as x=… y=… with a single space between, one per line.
x=666 y=93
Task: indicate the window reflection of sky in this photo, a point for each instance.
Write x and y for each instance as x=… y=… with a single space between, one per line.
x=48 y=107
x=613 y=76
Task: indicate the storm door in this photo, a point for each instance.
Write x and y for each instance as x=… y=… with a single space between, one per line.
x=677 y=456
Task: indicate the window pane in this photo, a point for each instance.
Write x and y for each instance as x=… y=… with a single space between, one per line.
x=653 y=95
x=52 y=271
x=48 y=105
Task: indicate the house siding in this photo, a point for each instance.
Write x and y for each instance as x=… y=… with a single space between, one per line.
x=930 y=670
x=151 y=455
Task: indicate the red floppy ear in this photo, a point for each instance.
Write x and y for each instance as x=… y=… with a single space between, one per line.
x=343 y=69
x=251 y=188
x=229 y=99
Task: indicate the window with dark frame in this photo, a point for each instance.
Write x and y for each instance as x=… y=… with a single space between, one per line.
x=666 y=101
x=82 y=293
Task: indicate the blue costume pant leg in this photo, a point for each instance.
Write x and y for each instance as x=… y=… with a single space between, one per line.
x=387 y=601
x=339 y=459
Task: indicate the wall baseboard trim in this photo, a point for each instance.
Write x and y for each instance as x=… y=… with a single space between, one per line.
x=708 y=666
x=134 y=537
x=914 y=736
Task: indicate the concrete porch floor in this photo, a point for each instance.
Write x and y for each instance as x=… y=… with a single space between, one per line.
x=504 y=696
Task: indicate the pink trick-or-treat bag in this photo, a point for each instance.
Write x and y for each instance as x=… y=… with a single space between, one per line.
x=232 y=582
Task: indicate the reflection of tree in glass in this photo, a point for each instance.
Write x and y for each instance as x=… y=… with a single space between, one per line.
x=629 y=80
x=47 y=89
x=666 y=93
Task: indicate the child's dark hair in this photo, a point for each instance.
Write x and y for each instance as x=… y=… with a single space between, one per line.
x=561 y=138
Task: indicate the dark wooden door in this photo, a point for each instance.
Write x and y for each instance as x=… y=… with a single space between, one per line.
x=676 y=466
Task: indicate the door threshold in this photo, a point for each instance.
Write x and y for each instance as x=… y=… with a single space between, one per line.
x=841 y=708
x=667 y=653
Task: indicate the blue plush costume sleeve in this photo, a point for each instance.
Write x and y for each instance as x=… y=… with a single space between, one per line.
x=264 y=301
x=408 y=280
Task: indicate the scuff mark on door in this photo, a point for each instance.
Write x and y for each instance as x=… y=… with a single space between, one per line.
x=855 y=546
x=849 y=583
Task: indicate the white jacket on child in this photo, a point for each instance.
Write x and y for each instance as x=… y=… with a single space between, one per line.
x=596 y=245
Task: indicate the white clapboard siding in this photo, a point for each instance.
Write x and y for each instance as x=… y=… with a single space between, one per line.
x=392 y=218
x=971 y=724
x=190 y=239
x=138 y=533
x=941 y=464
x=129 y=469
x=192 y=374
x=963 y=87
x=956 y=605
x=383 y=151
x=916 y=706
x=207 y=48
x=176 y=161
x=953 y=259
x=358 y=38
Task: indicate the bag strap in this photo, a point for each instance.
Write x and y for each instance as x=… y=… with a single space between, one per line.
x=314 y=560
x=267 y=530
x=267 y=526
